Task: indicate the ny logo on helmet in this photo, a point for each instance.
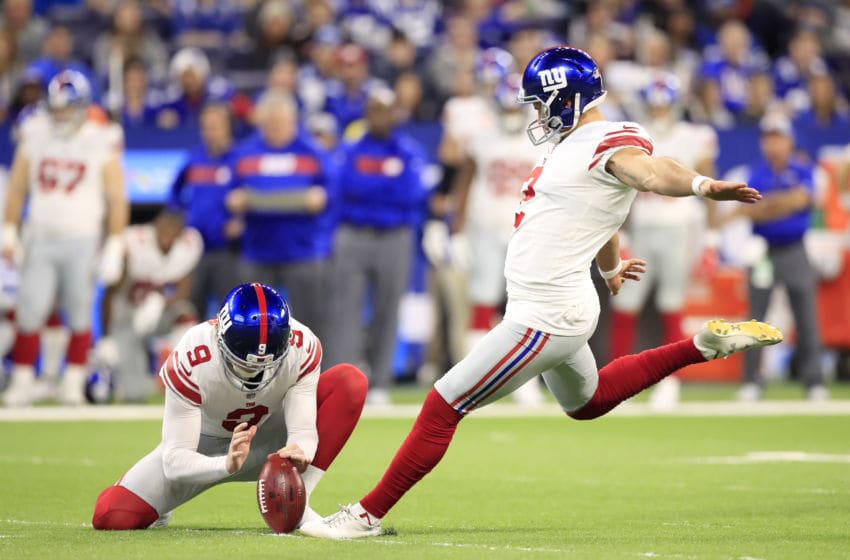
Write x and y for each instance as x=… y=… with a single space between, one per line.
x=553 y=79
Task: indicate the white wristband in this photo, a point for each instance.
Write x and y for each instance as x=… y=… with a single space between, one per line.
x=607 y=275
x=9 y=236
x=695 y=184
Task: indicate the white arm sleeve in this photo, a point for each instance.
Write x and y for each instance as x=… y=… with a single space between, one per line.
x=181 y=430
x=299 y=409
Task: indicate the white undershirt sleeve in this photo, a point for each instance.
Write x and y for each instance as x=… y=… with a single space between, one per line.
x=181 y=431
x=299 y=409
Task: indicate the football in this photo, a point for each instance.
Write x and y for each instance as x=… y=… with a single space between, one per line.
x=281 y=496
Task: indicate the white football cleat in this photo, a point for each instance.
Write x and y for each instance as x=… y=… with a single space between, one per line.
x=378 y=397
x=749 y=392
x=20 y=389
x=817 y=393
x=72 y=389
x=162 y=521
x=719 y=338
x=665 y=394
x=44 y=389
x=309 y=516
x=344 y=524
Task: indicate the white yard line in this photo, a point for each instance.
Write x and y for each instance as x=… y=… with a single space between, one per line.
x=507 y=410
x=756 y=457
x=49 y=461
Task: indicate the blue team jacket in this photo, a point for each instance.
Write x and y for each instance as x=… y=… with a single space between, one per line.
x=283 y=237
x=381 y=182
x=790 y=228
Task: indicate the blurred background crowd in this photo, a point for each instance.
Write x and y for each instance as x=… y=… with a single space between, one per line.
x=331 y=148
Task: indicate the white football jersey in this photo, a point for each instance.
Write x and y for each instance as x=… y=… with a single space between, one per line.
x=464 y=118
x=503 y=160
x=570 y=208
x=195 y=374
x=148 y=268
x=688 y=144
x=66 y=175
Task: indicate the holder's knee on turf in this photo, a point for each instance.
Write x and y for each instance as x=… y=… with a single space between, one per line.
x=118 y=509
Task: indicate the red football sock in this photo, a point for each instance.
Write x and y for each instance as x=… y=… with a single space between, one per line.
x=25 y=350
x=421 y=451
x=672 y=327
x=78 y=348
x=118 y=509
x=54 y=321
x=621 y=334
x=339 y=398
x=482 y=317
x=629 y=375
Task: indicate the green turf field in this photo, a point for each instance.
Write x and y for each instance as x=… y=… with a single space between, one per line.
x=508 y=488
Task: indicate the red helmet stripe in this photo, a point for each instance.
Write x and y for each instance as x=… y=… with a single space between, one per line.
x=264 y=313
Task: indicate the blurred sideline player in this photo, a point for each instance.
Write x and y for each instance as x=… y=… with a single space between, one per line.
x=71 y=168
x=464 y=115
x=237 y=389
x=199 y=190
x=151 y=300
x=574 y=202
x=664 y=230
x=469 y=120
x=497 y=159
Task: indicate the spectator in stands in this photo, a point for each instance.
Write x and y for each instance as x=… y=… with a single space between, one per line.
x=192 y=86
x=411 y=104
x=782 y=219
x=199 y=190
x=828 y=119
x=282 y=77
x=761 y=98
x=273 y=32
x=381 y=204
x=10 y=69
x=600 y=48
x=323 y=128
x=206 y=24
x=137 y=104
x=282 y=189
x=315 y=76
x=129 y=38
x=455 y=53
x=29 y=91
x=57 y=54
x=727 y=69
x=27 y=28
x=398 y=57
x=793 y=71
x=601 y=19
x=524 y=45
x=151 y=300
x=348 y=95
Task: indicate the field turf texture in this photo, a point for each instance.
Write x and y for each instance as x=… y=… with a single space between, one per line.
x=535 y=487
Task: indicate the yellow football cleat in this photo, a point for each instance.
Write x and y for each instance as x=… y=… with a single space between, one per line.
x=719 y=338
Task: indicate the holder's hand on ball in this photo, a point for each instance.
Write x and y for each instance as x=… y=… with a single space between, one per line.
x=296 y=455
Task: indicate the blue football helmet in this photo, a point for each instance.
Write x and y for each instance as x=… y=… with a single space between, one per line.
x=253 y=335
x=661 y=92
x=563 y=83
x=492 y=65
x=68 y=88
x=68 y=97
